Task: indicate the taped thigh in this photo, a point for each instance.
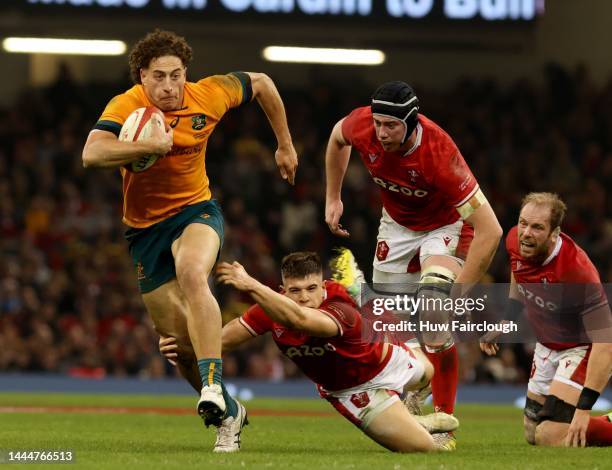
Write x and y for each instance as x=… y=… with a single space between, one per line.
x=395 y=283
x=361 y=408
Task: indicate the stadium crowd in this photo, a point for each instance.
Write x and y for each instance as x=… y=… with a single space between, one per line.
x=68 y=296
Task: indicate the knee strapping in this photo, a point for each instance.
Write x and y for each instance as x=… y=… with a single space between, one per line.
x=532 y=408
x=394 y=283
x=434 y=289
x=437 y=280
x=556 y=410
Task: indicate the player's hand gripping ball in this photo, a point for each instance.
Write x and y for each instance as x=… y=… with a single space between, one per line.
x=140 y=125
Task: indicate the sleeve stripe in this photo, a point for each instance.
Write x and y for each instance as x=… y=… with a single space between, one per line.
x=109 y=126
x=335 y=321
x=248 y=327
x=467 y=198
x=247 y=88
x=603 y=303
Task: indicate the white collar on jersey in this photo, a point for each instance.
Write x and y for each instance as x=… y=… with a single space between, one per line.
x=555 y=251
x=419 y=136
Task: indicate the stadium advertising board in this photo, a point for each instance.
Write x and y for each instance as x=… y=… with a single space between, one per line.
x=519 y=11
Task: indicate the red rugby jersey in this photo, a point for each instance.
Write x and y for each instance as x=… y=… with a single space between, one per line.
x=335 y=363
x=556 y=312
x=420 y=190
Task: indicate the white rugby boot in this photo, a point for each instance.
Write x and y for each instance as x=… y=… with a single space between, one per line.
x=437 y=422
x=228 y=433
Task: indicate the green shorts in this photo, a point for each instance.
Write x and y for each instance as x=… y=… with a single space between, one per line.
x=151 y=247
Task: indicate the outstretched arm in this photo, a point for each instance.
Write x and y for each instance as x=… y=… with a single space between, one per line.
x=270 y=101
x=336 y=162
x=279 y=308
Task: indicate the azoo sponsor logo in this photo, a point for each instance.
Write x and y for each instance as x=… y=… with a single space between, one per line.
x=308 y=351
x=539 y=301
x=396 y=188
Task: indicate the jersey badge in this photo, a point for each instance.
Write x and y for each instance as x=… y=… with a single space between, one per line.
x=360 y=400
x=382 y=250
x=198 y=122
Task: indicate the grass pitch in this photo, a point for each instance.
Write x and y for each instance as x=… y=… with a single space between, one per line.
x=128 y=431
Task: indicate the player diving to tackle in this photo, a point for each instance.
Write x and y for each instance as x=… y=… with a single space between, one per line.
x=566 y=377
x=317 y=325
x=437 y=227
x=175 y=227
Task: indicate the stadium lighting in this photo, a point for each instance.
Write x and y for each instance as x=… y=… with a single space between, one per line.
x=64 y=46
x=319 y=55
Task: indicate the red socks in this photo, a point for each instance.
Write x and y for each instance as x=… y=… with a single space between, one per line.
x=445 y=378
x=599 y=432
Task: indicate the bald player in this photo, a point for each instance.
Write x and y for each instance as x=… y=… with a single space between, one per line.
x=175 y=227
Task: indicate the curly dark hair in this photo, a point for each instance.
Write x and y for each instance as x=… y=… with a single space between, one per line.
x=300 y=264
x=157 y=44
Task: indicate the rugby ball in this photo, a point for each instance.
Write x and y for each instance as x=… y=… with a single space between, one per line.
x=139 y=126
